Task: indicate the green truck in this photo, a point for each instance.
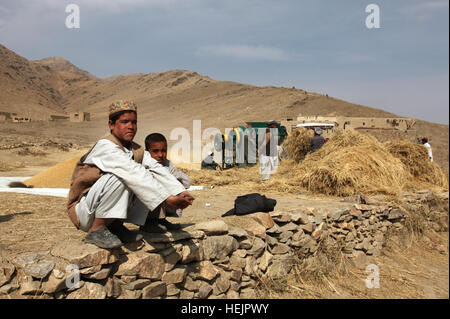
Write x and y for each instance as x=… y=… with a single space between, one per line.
x=238 y=146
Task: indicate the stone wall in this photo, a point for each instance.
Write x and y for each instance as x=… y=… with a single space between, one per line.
x=214 y=259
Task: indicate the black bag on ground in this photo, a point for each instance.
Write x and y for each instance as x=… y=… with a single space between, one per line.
x=251 y=203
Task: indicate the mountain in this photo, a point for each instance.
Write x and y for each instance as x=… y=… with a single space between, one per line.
x=27 y=88
x=62 y=65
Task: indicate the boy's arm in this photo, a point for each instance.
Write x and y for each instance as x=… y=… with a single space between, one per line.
x=180 y=176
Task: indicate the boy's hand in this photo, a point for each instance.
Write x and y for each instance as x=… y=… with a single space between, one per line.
x=181 y=200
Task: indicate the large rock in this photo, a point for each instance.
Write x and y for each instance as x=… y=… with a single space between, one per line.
x=30 y=287
x=172 y=236
x=236 y=274
x=213 y=227
x=281 y=266
x=22 y=260
x=274 y=230
x=149 y=266
x=191 y=252
x=288 y=227
x=155 y=289
x=258 y=247
x=264 y=219
x=89 y=290
x=280 y=217
x=113 y=288
x=39 y=270
x=265 y=261
x=191 y=285
x=237 y=232
x=299 y=218
x=99 y=275
x=54 y=282
x=204 y=291
x=280 y=249
x=84 y=255
x=245 y=244
x=285 y=236
x=222 y=285
x=218 y=247
x=203 y=270
x=251 y=267
x=138 y=284
x=236 y=261
x=175 y=276
x=172 y=290
x=171 y=260
x=252 y=226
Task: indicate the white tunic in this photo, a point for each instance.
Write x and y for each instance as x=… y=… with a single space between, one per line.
x=150 y=182
x=430 y=153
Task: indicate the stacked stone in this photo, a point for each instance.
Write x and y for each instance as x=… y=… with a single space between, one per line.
x=212 y=260
x=433 y=205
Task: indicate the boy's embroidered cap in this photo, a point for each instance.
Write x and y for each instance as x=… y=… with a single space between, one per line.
x=122 y=106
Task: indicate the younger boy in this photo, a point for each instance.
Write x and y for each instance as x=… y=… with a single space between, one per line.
x=156 y=145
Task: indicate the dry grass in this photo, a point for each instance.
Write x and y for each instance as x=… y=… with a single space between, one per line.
x=415 y=158
x=297 y=145
x=354 y=170
x=250 y=178
x=352 y=163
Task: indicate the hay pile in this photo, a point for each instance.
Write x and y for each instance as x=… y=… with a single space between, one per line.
x=297 y=145
x=351 y=163
x=58 y=176
x=415 y=158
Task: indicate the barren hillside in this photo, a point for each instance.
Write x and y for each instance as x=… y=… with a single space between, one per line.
x=27 y=88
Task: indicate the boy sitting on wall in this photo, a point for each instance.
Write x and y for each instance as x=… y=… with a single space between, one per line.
x=156 y=145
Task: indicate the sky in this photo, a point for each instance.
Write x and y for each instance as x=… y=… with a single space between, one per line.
x=400 y=66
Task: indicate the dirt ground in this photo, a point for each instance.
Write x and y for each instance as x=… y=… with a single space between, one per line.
x=28 y=223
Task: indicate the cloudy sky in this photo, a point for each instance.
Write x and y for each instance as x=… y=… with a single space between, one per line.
x=316 y=45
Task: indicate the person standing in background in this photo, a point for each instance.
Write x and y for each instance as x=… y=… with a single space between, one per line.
x=428 y=146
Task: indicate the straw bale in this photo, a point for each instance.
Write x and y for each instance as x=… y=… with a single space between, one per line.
x=297 y=145
x=342 y=139
x=415 y=158
x=58 y=176
x=354 y=170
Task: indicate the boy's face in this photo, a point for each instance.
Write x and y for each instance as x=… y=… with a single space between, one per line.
x=125 y=127
x=158 y=150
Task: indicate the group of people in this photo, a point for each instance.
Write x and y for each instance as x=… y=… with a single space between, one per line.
x=267 y=152
x=119 y=181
